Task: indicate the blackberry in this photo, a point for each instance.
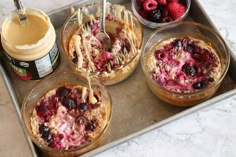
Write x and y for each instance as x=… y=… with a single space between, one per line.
x=189 y=70
x=178 y=43
x=41 y=108
x=155 y=15
x=44 y=131
x=91 y=126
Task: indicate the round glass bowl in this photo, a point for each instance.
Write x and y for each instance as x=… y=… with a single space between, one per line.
x=111 y=66
x=30 y=112
x=201 y=91
x=150 y=24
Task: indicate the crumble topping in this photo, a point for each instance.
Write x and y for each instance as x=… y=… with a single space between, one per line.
x=65 y=118
x=183 y=64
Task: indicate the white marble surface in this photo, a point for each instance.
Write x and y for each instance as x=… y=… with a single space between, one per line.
x=209 y=132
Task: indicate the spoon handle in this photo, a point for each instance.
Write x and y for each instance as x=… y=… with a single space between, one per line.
x=21 y=11
x=103 y=15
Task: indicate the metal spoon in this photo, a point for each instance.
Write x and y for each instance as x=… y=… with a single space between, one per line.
x=21 y=11
x=102 y=36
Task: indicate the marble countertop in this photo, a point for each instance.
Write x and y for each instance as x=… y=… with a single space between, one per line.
x=208 y=132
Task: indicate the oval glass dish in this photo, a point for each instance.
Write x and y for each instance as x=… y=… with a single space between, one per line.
x=60 y=117
x=143 y=15
x=86 y=53
x=185 y=63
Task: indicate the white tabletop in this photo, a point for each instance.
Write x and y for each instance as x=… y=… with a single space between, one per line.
x=205 y=133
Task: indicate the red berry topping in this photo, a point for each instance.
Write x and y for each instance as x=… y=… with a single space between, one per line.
x=150 y=5
x=166 y=19
x=160 y=55
x=176 y=10
x=143 y=13
x=173 y=1
x=161 y=2
x=165 y=12
x=140 y=2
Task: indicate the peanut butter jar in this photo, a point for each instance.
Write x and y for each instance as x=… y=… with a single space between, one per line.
x=31 y=46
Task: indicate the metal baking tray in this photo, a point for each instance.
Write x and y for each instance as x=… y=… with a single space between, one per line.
x=136 y=109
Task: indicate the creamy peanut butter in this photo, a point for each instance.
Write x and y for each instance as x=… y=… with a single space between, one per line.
x=25 y=34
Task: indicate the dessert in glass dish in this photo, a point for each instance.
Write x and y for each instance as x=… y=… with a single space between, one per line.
x=64 y=116
x=186 y=67
x=87 y=54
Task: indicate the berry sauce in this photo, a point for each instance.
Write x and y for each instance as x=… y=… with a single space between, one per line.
x=183 y=64
x=65 y=119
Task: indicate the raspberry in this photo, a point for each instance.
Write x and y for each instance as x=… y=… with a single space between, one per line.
x=140 y=2
x=143 y=13
x=166 y=19
x=160 y=55
x=176 y=10
x=173 y=1
x=161 y=2
x=165 y=12
x=150 y=5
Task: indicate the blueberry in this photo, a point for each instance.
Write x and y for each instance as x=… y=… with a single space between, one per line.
x=49 y=139
x=69 y=103
x=62 y=91
x=197 y=85
x=44 y=131
x=155 y=15
x=200 y=84
x=178 y=43
x=83 y=106
x=189 y=48
x=189 y=70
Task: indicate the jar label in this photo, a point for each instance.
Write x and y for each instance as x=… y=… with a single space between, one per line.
x=33 y=70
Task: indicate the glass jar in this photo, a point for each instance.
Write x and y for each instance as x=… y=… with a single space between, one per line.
x=30 y=47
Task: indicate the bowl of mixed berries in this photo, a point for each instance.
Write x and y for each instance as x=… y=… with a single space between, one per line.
x=158 y=13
